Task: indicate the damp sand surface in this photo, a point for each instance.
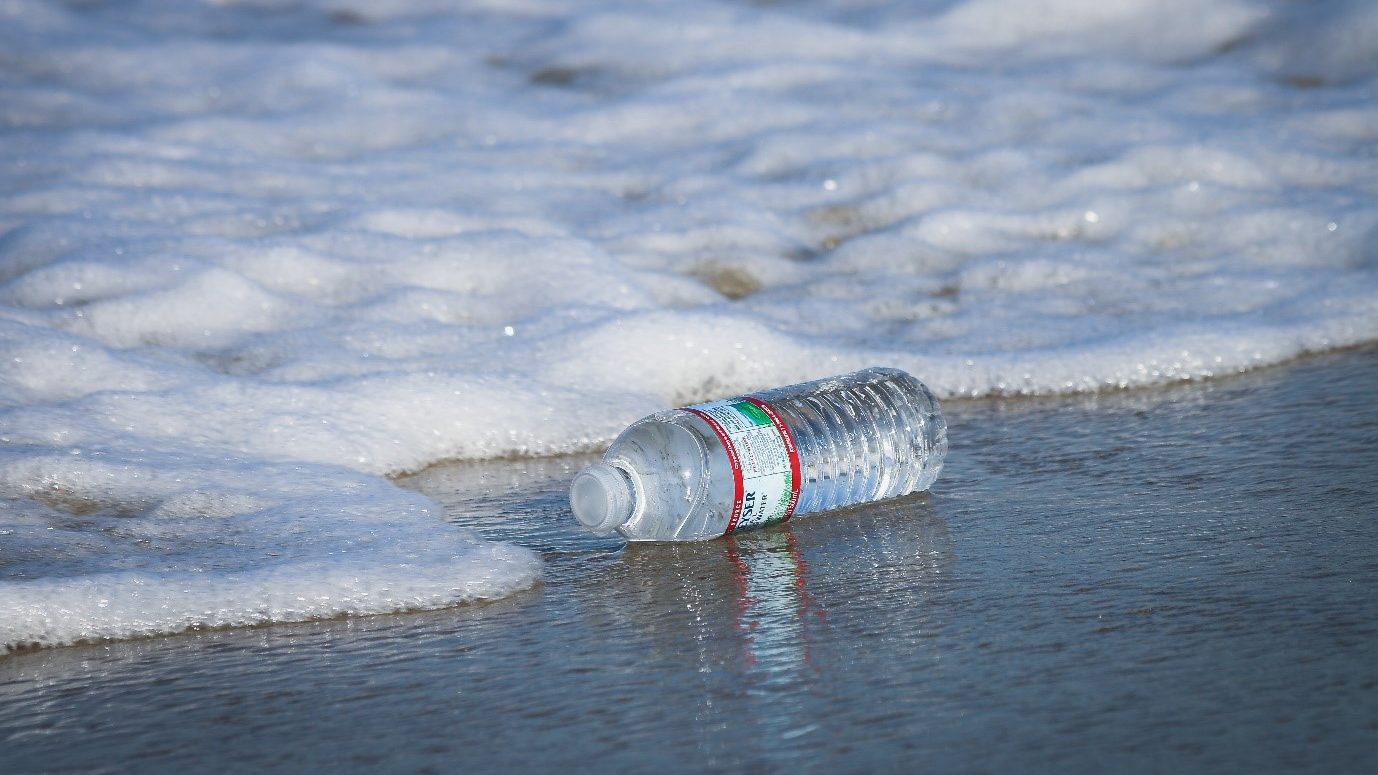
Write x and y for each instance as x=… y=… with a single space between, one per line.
x=1143 y=581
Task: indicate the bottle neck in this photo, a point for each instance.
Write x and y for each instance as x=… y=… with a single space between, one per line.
x=602 y=497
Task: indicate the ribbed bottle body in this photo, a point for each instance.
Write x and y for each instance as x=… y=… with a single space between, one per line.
x=706 y=470
x=862 y=437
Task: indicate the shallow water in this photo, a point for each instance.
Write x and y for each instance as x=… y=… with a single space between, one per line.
x=1179 y=577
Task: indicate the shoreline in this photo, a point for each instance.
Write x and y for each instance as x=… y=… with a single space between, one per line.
x=957 y=401
x=1151 y=394
x=1165 y=578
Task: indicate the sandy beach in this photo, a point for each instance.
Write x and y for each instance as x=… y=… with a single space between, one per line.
x=311 y=309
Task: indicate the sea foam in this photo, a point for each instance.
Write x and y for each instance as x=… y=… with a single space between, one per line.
x=257 y=256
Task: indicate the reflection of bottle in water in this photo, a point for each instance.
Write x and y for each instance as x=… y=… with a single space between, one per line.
x=772 y=603
x=762 y=629
x=711 y=469
x=728 y=624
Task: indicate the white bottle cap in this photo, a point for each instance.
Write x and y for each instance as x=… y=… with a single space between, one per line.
x=601 y=497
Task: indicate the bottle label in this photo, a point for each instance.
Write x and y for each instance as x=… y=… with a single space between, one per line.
x=765 y=462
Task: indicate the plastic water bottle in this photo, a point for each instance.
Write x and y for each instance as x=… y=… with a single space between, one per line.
x=707 y=470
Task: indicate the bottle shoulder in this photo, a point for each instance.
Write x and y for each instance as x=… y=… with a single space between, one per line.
x=676 y=465
x=675 y=423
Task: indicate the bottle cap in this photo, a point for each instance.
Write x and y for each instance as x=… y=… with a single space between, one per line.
x=601 y=497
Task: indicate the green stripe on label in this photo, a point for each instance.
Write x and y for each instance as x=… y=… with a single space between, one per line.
x=753 y=412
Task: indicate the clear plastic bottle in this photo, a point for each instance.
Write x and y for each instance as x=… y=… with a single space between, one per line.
x=707 y=470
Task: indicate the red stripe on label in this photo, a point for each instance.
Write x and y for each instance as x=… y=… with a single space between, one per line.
x=788 y=439
x=734 y=461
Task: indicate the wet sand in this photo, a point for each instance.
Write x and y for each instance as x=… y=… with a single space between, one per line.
x=1172 y=578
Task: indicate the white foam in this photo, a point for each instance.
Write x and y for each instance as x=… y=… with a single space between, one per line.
x=255 y=256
